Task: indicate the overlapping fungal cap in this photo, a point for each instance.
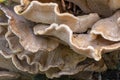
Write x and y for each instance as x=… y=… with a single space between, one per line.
x=85 y=44
x=26 y=37
x=41 y=61
x=108 y=28
x=38 y=38
x=7 y=69
x=38 y=14
x=62 y=59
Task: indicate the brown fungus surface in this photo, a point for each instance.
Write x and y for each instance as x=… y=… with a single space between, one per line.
x=109 y=28
x=50 y=37
x=49 y=13
x=22 y=29
x=85 y=44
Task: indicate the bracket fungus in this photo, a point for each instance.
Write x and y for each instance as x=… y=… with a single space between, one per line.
x=42 y=36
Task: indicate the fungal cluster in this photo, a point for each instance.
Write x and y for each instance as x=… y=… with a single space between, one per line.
x=58 y=37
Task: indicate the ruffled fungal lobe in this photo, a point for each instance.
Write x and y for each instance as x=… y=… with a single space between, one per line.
x=108 y=28
x=49 y=13
x=26 y=37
